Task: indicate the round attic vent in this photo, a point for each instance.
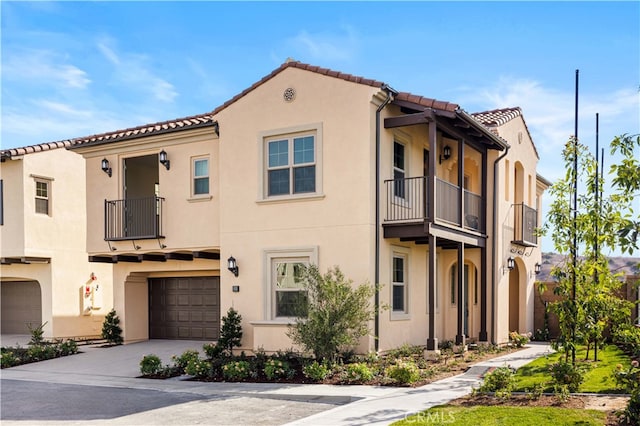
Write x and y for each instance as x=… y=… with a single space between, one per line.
x=289 y=94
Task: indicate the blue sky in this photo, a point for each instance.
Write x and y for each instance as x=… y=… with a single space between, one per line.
x=72 y=69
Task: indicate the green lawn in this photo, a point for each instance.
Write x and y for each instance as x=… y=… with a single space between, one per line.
x=504 y=415
x=598 y=378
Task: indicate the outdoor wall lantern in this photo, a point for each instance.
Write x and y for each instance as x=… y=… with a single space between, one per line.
x=232 y=265
x=163 y=159
x=105 y=166
x=446 y=153
x=537 y=268
x=511 y=263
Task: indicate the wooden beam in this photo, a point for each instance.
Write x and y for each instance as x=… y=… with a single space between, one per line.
x=102 y=259
x=405 y=120
x=152 y=257
x=206 y=255
x=126 y=258
x=179 y=256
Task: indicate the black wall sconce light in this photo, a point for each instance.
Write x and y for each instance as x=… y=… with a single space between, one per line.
x=163 y=159
x=537 y=268
x=232 y=265
x=446 y=153
x=104 y=165
x=511 y=263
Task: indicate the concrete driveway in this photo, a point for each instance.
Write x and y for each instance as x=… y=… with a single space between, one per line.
x=99 y=386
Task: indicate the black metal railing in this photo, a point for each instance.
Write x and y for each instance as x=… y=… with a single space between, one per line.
x=407 y=200
x=525 y=224
x=133 y=219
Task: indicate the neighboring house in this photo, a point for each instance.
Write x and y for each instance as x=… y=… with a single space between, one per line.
x=310 y=165
x=46 y=277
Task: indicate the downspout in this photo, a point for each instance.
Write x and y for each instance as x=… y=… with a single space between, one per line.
x=376 y=324
x=494 y=245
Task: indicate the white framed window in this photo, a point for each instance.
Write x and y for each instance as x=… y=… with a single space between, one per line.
x=43 y=196
x=400 y=282
x=399 y=170
x=200 y=176
x=283 y=287
x=291 y=163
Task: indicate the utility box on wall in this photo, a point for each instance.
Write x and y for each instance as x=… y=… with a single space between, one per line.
x=91 y=295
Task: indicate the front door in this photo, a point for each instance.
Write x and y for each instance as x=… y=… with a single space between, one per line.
x=140 y=191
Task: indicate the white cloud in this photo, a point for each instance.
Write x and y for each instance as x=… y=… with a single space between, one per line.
x=133 y=71
x=44 y=67
x=326 y=47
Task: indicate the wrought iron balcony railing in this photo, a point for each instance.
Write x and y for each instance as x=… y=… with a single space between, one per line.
x=407 y=201
x=524 y=225
x=133 y=219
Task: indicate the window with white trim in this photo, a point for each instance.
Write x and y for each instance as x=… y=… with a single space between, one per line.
x=399 y=283
x=399 y=170
x=291 y=165
x=200 y=176
x=284 y=288
x=42 y=196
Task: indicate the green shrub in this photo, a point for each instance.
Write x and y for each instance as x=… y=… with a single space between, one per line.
x=404 y=372
x=150 y=365
x=41 y=352
x=519 y=340
x=111 y=330
x=566 y=373
x=37 y=334
x=277 y=369
x=212 y=350
x=316 y=371
x=629 y=380
x=501 y=381
x=183 y=360
x=9 y=359
x=358 y=373
x=236 y=370
x=231 y=331
x=68 y=347
x=198 y=367
x=406 y=351
x=333 y=314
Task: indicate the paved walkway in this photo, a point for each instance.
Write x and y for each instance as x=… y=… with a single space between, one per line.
x=117 y=367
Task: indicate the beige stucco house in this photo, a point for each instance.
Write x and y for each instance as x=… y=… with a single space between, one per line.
x=45 y=276
x=310 y=165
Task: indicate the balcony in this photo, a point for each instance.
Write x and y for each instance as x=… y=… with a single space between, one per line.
x=407 y=202
x=133 y=219
x=524 y=225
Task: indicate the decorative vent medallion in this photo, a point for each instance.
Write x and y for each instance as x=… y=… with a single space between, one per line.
x=289 y=94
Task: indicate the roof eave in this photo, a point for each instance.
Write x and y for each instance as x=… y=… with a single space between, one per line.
x=499 y=143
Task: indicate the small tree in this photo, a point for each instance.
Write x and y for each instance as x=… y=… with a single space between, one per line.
x=337 y=313
x=111 y=330
x=231 y=331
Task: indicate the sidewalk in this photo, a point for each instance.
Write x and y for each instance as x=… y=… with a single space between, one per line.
x=403 y=402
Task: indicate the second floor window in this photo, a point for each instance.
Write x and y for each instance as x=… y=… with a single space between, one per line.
x=42 y=197
x=200 y=176
x=291 y=165
x=399 y=170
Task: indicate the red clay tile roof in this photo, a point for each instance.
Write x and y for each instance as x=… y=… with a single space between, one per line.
x=14 y=152
x=191 y=122
x=426 y=102
x=306 y=67
x=497 y=117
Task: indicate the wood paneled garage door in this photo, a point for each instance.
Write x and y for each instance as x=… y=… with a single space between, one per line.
x=184 y=308
x=21 y=305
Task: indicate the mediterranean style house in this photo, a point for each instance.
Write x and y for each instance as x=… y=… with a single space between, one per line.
x=45 y=277
x=313 y=166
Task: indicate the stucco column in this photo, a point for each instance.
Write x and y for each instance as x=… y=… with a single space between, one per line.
x=462 y=297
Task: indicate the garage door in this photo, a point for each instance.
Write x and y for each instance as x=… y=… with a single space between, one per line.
x=184 y=308
x=21 y=306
